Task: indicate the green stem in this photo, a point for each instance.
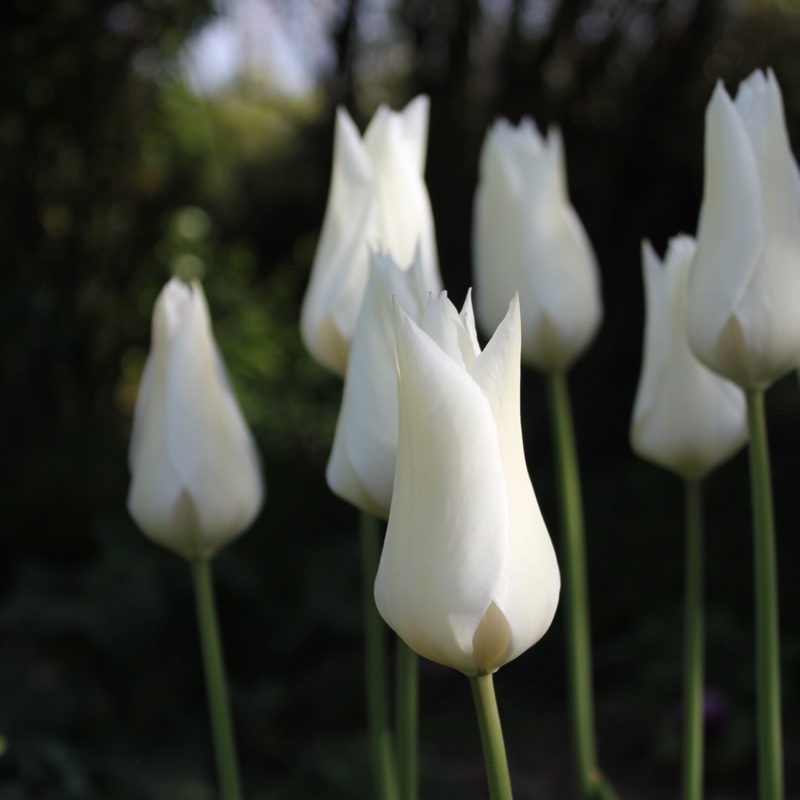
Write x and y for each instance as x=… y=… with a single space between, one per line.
x=380 y=741
x=407 y=714
x=219 y=707
x=693 y=645
x=494 y=751
x=768 y=686
x=576 y=600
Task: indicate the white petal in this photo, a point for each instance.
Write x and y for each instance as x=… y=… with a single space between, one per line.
x=686 y=418
x=499 y=265
x=155 y=484
x=362 y=463
x=209 y=443
x=560 y=300
x=768 y=309
x=405 y=219
x=415 y=122
x=447 y=537
x=339 y=273
x=730 y=239
x=442 y=322
x=656 y=345
x=527 y=594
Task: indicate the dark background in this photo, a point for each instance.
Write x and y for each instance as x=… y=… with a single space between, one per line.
x=114 y=175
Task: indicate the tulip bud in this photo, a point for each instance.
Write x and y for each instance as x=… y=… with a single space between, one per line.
x=685 y=417
x=527 y=238
x=196 y=482
x=377 y=199
x=743 y=316
x=468 y=576
x=361 y=466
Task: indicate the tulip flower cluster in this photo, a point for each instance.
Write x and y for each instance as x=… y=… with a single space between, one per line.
x=429 y=434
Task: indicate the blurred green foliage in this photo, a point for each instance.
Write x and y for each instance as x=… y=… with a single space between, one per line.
x=115 y=175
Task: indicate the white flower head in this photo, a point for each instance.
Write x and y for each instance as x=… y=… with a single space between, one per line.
x=196 y=480
x=527 y=238
x=743 y=317
x=685 y=417
x=377 y=200
x=468 y=576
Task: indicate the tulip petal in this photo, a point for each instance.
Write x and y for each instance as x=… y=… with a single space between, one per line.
x=450 y=330
x=527 y=594
x=446 y=541
x=208 y=440
x=500 y=264
x=339 y=273
x=767 y=311
x=156 y=486
x=655 y=353
x=730 y=239
x=686 y=418
x=362 y=463
x=562 y=309
x=405 y=218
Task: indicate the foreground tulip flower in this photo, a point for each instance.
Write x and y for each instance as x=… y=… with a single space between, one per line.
x=527 y=238
x=744 y=295
x=196 y=482
x=685 y=418
x=377 y=199
x=468 y=576
x=362 y=462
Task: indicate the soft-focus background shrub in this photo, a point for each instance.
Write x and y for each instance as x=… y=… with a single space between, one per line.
x=132 y=148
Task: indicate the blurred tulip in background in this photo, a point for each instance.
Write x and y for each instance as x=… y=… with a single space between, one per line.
x=744 y=295
x=685 y=418
x=196 y=479
x=378 y=200
x=527 y=238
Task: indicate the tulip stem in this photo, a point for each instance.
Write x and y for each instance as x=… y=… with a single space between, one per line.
x=768 y=678
x=380 y=740
x=494 y=751
x=214 y=666
x=407 y=715
x=576 y=601
x=693 y=645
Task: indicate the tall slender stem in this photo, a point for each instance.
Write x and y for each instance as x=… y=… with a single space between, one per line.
x=576 y=599
x=494 y=751
x=406 y=721
x=768 y=678
x=693 y=645
x=214 y=665
x=380 y=740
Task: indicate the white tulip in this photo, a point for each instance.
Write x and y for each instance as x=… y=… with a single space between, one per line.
x=196 y=481
x=378 y=200
x=468 y=576
x=527 y=238
x=685 y=417
x=744 y=294
x=362 y=462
